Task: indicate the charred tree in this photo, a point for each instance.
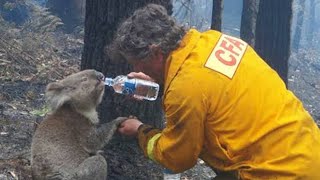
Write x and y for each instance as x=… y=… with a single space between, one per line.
x=273 y=34
x=299 y=25
x=312 y=22
x=14 y=11
x=71 y=12
x=125 y=159
x=248 y=20
x=217 y=7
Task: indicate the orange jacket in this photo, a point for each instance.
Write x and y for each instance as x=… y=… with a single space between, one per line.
x=225 y=105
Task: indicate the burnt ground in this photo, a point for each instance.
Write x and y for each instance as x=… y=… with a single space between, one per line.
x=22 y=87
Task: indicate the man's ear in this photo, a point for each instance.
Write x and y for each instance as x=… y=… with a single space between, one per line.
x=156 y=50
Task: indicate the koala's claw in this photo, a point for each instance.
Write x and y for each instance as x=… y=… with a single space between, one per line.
x=133 y=117
x=54 y=176
x=119 y=120
x=100 y=152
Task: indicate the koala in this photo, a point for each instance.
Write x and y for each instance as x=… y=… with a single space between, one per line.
x=67 y=142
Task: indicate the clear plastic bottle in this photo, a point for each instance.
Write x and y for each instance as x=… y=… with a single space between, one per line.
x=169 y=175
x=137 y=87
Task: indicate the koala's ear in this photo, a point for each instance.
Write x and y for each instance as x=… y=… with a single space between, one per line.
x=54 y=86
x=55 y=96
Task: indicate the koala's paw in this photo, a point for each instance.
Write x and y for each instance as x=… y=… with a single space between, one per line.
x=54 y=176
x=100 y=152
x=133 y=117
x=120 y=120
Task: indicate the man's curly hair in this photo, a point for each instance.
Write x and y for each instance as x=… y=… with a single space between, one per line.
x=150 y=25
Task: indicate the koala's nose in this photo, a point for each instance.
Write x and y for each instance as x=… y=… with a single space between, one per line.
x=100 y=76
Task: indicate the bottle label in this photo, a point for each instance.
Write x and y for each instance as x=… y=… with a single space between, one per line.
x=129 y=86
x=168 y=171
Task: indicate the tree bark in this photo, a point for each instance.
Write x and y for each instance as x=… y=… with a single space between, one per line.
x=125 y=159
x=248 y=21
x=273 y=34
x=312 y=23
x=217 y=7
x=71 y=12
x=299 y=25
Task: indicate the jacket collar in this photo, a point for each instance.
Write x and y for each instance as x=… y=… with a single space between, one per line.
x=178 y=56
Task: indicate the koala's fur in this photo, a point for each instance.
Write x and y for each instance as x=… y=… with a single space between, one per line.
x=66 y=142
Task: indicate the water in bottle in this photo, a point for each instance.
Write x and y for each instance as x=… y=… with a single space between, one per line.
x=139 y=88
x=169 y=175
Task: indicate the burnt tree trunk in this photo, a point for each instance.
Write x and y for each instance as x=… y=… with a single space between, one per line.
x=125 y=159
x=71 y=12
x=248 y=20
x=216 y=15
x=312 y=22
x=299 y=25
x=273 y=34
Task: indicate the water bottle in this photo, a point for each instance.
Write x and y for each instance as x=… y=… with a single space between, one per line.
x=137 y=87
x=169 y=175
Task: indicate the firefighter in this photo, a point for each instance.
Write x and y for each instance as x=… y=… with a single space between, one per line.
x=222 y=103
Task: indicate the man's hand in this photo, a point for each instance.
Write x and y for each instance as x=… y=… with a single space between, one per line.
x=140 y=75
x=129 y=127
